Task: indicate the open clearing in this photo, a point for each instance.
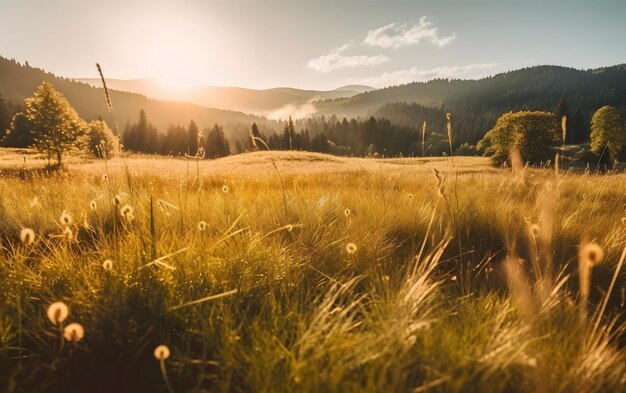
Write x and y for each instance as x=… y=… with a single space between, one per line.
x=287 y=271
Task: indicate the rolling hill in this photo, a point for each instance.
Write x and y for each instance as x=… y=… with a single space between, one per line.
x=476 y=104
x=267 y=102
x=18 y=82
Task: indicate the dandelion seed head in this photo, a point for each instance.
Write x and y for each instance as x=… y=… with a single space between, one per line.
x=74 y=332
x=66 y=218
x=119 y=198
x=161 y=352
x=347 y=212
x=57 y=312
x=410 y=196
x=27 y=236
x=225 y=189
x=592 y=254
x=67 y=234
x=351 y=248
x=107 y=265
x=535 y=230
x=202 y=225
x=127 y=212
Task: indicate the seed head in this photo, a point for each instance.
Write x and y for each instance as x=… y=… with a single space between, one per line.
x=535 y=230
x=105 y=177
x=57 y=312
x=127 y=212
x=592 y=254
x=225 y=189
x=34 y=202
x=202 y=225
x=74 y=332
x=66 y=218
x=93 y=205
x=67 y=234
x=351 y=248
x=161 y=352
x=107 y=265
x=347 y=212
x=27 y=236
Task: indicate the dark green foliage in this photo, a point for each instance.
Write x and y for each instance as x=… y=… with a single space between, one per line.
x=216 y=143
x=476 y=104
x=607 y=132
x=102 y=142
x=534 y=134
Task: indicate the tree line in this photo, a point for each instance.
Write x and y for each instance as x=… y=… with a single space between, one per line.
x=49 y=123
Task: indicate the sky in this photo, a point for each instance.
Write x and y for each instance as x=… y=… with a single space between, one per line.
x=320 y=45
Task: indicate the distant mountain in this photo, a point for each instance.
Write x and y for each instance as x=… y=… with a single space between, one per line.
x=355 y=88
x=476 y=104
x=268 y=102
x=19 y=81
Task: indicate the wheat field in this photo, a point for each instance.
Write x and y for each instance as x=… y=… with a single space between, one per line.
x=300 y=272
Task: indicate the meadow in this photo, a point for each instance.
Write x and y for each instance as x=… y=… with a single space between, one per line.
x=287 y=271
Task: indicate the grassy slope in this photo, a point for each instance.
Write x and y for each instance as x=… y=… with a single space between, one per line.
x=308 y=316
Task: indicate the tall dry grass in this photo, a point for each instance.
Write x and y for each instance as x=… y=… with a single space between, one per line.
x=381 y=279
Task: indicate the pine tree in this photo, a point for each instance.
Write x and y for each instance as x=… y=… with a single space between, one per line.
x=193 y=138
x=289 y=132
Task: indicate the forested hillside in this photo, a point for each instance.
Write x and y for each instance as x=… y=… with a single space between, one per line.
x=476 y=104
x=19 y=81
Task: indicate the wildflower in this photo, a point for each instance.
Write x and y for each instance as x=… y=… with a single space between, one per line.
x=162 y=352
x=119 y=198
x=93 y=205
x=107 y=265
x=351 y=248
x=57 y=312
x=592 y=254
x=202 y=225
x=127 y=212
x=66 y=218
x=534 y=230
x=74 y=332
x=201 y=152
x=67 y=234
x=27 y=236
x=225 y=189
x=346 y=212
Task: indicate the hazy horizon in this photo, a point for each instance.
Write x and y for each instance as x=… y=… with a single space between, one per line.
x=309 y=45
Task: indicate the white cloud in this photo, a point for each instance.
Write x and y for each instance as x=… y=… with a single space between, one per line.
x=336 y=59
x=396 y=35
x=417 y=75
